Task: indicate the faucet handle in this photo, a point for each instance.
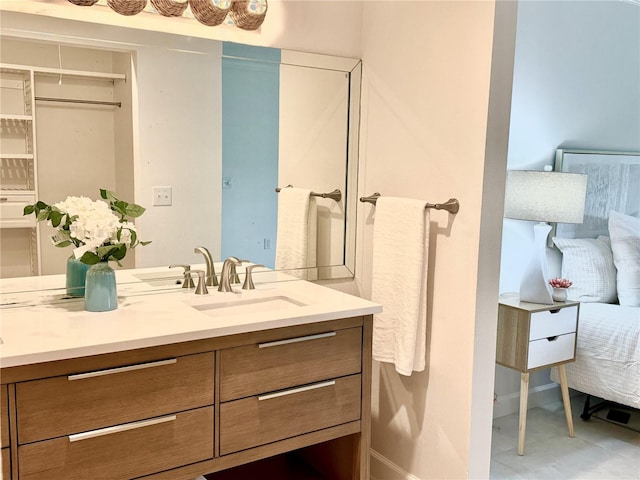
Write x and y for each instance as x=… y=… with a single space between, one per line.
x=188 y=281
x=201 y=289
x=248 y=279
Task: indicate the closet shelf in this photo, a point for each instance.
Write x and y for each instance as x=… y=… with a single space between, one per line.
x=15 y=118
x=19 y=156
x=13 y=68
x=4 y=191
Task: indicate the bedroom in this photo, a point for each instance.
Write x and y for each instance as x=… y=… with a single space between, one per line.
x=575 y=86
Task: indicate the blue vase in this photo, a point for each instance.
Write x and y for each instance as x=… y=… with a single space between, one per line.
x=100 y=290
x=76 y=274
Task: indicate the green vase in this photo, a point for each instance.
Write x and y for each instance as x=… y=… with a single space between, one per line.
x=100 y=290
x=76 y=275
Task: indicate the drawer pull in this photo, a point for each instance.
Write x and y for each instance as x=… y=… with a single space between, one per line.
x=120 y=428
x=297 y=339
x=4 y=199
x=130 y=368
x=291 y=391
x=552 y=339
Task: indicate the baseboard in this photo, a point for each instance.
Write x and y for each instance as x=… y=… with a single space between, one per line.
x=384 y=469
x=540 y=395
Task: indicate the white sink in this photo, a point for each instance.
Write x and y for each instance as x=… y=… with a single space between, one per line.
x=161 y=279
x=248 y=305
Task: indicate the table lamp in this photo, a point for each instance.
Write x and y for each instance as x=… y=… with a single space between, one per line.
x=544 y=197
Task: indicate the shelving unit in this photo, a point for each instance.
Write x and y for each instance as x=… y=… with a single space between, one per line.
x=19 y=161
x=18 y=168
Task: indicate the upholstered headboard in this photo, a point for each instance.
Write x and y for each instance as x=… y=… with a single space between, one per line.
x=613 y=183
x=601 y=255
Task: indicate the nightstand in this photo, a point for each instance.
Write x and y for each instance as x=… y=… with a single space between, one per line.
x=532 y=336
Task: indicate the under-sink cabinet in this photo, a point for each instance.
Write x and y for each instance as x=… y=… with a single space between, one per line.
x=196 y=408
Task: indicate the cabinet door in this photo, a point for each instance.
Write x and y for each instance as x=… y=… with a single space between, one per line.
x=4 y=416
x=122 y=452
x=59 y=406
x=255 y=421
x=288 y=362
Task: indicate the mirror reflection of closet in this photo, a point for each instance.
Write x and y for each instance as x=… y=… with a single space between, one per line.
x=77 y=146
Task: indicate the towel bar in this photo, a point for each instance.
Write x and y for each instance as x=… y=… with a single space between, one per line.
x=452 y=205
x=335 y=195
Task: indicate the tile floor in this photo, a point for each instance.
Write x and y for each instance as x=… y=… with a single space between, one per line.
x=600 y=450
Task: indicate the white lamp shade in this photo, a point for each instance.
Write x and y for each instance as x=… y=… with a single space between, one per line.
x=545 y=196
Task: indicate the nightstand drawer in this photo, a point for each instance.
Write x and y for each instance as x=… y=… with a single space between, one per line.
x=551 y=323
x=554 y=349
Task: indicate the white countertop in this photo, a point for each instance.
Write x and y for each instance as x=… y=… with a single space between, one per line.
x=39 y=328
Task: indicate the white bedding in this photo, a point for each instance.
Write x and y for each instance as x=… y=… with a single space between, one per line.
x=608 y=353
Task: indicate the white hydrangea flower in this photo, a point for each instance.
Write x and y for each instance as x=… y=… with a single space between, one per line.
x=96 y=223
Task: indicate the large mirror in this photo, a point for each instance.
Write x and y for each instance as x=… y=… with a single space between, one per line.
x=223 y=125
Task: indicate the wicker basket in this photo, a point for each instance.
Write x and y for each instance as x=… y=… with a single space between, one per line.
x=207 y=13
x=127 y=7
x=244 y=18
x=83 y=3
x=170 y=8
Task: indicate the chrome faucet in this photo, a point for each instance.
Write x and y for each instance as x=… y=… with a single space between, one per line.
x=228 y=267
x=210 y=274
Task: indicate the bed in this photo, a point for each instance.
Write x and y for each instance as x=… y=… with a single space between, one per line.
x=602 y=258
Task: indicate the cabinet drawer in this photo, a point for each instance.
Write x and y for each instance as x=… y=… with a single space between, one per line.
x=6 y=464
x=259 y=368
x=60 y=406
x=548 y=324
x=4 y=416
x=254 y=421
x=126 y=451
x=552 y=350
x=11 y=211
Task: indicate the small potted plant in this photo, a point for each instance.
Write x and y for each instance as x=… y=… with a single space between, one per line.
x=100 y=231
x=560 y=286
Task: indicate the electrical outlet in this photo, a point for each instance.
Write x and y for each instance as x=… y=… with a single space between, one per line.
x=267 y=244
x=161 y=196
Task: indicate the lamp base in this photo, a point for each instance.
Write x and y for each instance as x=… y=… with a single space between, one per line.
x=534 y=287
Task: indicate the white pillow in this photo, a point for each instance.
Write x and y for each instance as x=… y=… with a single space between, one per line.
x=588 y=263
x=625 y=244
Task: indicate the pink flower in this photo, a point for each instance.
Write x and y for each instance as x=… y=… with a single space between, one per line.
x=560 y=283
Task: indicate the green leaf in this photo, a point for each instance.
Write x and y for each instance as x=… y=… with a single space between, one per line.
x=89 y=258
x=29 y=209
x=134 y=210
x=56 y=217
x=42 y=215
x=64 y=243
x=108 y=195
x=145 y=243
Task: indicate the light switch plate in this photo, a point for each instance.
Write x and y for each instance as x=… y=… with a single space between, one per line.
x=161 y=196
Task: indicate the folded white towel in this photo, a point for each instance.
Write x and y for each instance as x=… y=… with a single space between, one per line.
x=296 y=241
x=399 y=283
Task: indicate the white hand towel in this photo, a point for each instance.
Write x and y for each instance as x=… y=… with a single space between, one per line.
x=296 y=242
x=399 y=283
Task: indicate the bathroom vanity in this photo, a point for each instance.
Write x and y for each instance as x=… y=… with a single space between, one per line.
x=172 y=385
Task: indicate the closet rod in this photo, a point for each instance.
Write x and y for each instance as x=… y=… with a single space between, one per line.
x=452 y=205
x=334 y=195
x=73 y=100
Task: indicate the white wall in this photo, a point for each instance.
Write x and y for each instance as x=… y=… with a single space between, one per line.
x=426 y=134
x=576 y=84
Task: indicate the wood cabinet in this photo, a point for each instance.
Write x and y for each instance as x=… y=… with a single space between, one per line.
x=202 y=407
